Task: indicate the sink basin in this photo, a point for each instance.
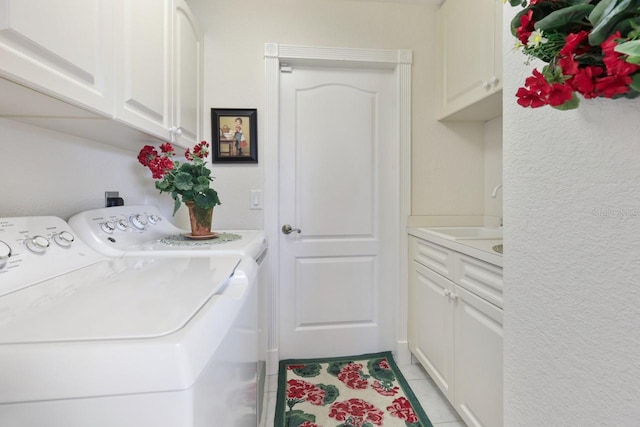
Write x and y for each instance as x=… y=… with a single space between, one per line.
x=465 y=233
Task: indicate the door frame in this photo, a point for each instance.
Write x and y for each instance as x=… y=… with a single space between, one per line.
x=277 y=55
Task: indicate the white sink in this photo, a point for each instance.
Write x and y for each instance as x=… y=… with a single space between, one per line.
x=465 y=233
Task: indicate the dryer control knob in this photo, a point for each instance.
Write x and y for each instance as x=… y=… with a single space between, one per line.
x=37 y=244
x=64 y=239
x=108 y=227
x=122 y=225
x=154 y=219
x=139 y=221
x=5 y=253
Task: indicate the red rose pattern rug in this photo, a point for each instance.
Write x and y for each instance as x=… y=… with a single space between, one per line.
x=354 y=391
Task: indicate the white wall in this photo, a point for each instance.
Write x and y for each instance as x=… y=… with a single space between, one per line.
x=50 y=173
x=492 y=170
x=236 y=31
x=572 y=260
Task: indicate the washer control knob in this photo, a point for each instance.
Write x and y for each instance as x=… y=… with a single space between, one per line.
x=108 y=227
x=64 y=239
x=37 y=244
x=139 y=221
x=122 y=225
x=154 y=219
x=5 y=253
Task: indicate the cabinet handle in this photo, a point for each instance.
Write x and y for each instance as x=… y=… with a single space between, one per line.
x=453 y=296
x=447 y=293
x=494 y=80
x=486 y=85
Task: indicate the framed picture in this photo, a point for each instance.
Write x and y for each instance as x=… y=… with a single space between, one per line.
x=234 y=133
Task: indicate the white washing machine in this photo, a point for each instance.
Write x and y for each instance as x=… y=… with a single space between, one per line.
x=87 y=340
x=143 y=231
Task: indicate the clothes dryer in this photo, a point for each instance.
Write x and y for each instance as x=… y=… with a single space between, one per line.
x=87 y=340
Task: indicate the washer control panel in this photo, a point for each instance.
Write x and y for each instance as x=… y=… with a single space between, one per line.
x=115 y=230
x=38 y=248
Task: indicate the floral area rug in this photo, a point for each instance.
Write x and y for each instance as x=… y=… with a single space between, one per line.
x=355 y=391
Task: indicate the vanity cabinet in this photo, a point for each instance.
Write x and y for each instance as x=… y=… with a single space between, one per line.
x=454 y=332
x=159 y=60
x=470 y=59
x=64 y=50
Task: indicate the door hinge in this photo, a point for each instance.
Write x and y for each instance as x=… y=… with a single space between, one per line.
x=286 y=68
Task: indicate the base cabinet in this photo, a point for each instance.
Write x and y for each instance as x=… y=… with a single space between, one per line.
x=478 y=360
x=455 y=334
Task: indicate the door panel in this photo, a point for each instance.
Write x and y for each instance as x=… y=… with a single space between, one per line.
x=340 y=142
x=346 y=281
x=336 y=275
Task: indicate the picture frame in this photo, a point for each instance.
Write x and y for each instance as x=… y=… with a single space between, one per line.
x=234 y=132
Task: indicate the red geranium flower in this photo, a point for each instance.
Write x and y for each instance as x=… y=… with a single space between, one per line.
x=385 y=389
x=526 y=27
x=302 y=391
x=356 y=412
x=351 y=376
x=402 y=409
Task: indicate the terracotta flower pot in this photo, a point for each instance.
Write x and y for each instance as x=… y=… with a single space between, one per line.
x=200 y=219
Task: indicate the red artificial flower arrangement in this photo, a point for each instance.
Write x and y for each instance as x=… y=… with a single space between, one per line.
x=591 y=47
x=189 y=181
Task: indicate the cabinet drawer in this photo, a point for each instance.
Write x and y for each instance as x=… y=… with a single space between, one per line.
x=435 y=257
x=479 y=277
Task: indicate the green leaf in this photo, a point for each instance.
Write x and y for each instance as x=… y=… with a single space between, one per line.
x=183 y=181
x=309 y=370
x=331 y=393
x=296 y=417
x=571 y=104
x=606 y=24
x=563 y=18
x=631 y=48
x=602 y=8
x=176 y=204
x=635 y=82
x=379 y=373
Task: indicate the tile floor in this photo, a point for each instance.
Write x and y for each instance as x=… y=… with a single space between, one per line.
x=437 y=407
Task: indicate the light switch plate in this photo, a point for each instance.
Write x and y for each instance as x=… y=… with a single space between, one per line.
x=256 y=199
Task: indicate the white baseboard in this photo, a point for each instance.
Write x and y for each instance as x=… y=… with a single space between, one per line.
x=402 y=353
x=272 y=362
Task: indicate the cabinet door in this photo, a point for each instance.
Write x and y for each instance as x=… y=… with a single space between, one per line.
x=188 y=79
x=466 y=31
x=62 y=48
x=478 y=360
x=143 y=95
x=431 y=325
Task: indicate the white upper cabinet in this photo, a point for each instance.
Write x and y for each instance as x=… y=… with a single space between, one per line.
x=143 y=58
x=61 y=48
x=470 y=59
x=159 y=60
x=187 y=93
x=124 y=72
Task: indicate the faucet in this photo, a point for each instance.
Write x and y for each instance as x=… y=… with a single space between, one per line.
x=495 y=191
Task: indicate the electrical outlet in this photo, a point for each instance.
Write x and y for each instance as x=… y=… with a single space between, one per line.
x=110 y=195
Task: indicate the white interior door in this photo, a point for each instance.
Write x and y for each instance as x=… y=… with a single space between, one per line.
x=339 y=185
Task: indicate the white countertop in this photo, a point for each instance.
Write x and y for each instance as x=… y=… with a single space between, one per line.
x=477 y=248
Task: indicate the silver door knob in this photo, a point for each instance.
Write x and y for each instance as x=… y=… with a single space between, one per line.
x=286 y=229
